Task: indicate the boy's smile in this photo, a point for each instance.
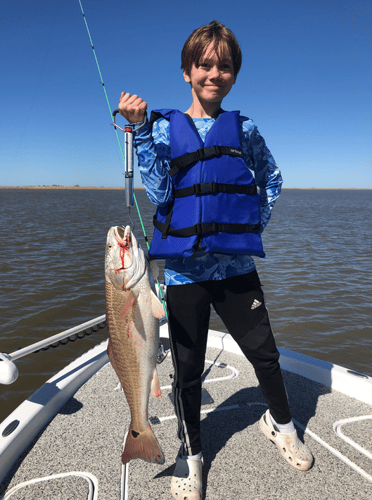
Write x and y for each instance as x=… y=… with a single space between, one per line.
x=212 y=79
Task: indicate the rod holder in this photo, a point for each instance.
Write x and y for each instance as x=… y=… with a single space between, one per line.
x=8 y=370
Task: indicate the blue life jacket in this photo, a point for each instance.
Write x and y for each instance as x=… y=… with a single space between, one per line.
x=216 y=206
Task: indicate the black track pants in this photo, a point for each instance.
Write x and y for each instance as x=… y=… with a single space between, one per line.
x=239 y=302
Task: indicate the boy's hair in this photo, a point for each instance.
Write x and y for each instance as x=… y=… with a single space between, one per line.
x=224 y=43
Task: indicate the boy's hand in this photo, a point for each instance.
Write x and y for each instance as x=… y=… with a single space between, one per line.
x=132 y=107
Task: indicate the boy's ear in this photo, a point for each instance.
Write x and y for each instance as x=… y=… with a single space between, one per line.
x=186 y=77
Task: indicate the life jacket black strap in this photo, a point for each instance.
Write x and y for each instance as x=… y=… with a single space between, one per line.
x=181 y=162
x=205 y=228
x=165 y=226
x=155 y=115
x=214 y=187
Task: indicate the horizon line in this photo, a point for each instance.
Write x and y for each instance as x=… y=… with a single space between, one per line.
x=55 y=186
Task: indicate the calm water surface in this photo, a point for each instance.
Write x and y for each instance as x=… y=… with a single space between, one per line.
x=316 y=276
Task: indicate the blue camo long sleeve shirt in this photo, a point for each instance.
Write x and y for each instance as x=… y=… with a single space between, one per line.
x=154 y=157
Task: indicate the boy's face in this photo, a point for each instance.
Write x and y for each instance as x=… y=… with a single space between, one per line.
x=212 y=80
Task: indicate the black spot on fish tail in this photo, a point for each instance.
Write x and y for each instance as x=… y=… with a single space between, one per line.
x=142 y=445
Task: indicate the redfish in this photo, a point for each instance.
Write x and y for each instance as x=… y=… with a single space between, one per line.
x=132 y=314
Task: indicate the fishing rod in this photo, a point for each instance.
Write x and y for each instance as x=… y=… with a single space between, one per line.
x=127 y=157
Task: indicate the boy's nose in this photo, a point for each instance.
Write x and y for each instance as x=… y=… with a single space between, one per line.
x=214 y=72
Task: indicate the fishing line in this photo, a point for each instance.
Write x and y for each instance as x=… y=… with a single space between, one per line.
x=112 y=115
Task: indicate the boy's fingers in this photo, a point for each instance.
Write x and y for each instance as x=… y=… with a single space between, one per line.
x=130 y=99
x=132 y=107
x=125 y=96
x=135 y=100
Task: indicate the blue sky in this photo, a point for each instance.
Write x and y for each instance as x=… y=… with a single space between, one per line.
x=305 y=81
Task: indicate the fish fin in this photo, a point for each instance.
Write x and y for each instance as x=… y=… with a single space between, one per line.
x=110 y=353
x=129 y=303
x=142 y=445
x=155 y=386
x=154 y=269
x=157 y=308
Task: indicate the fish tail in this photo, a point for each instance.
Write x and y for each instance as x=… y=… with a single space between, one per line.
x=142 y=445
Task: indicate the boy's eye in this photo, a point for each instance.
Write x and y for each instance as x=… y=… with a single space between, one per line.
x=223 y=67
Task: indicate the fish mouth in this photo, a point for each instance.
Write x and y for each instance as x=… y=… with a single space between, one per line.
x=125 y=260
x=123 y=238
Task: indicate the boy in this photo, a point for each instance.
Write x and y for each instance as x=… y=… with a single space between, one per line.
x=196 y=167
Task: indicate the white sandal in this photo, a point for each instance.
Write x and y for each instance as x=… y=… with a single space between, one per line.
x=187 y=479
x=292 y=449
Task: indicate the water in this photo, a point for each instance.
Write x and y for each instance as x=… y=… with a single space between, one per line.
x=316 y=277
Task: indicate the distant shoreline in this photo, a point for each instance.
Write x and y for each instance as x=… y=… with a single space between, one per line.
x=142 y=188
x=64 y=187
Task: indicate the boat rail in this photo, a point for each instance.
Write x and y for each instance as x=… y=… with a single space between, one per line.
x=9 y=371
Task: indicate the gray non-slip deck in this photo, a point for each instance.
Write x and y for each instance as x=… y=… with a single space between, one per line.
x=240 y=462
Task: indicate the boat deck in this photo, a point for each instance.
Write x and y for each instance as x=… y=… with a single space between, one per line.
x=240 y=462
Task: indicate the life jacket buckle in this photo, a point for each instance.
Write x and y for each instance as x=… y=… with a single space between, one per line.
x=200 y=153
x=208 y=152
x=216 y=150
x=197 y=188
x=205 y=188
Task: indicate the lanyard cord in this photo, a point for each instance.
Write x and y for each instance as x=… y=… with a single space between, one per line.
x=121 y=149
